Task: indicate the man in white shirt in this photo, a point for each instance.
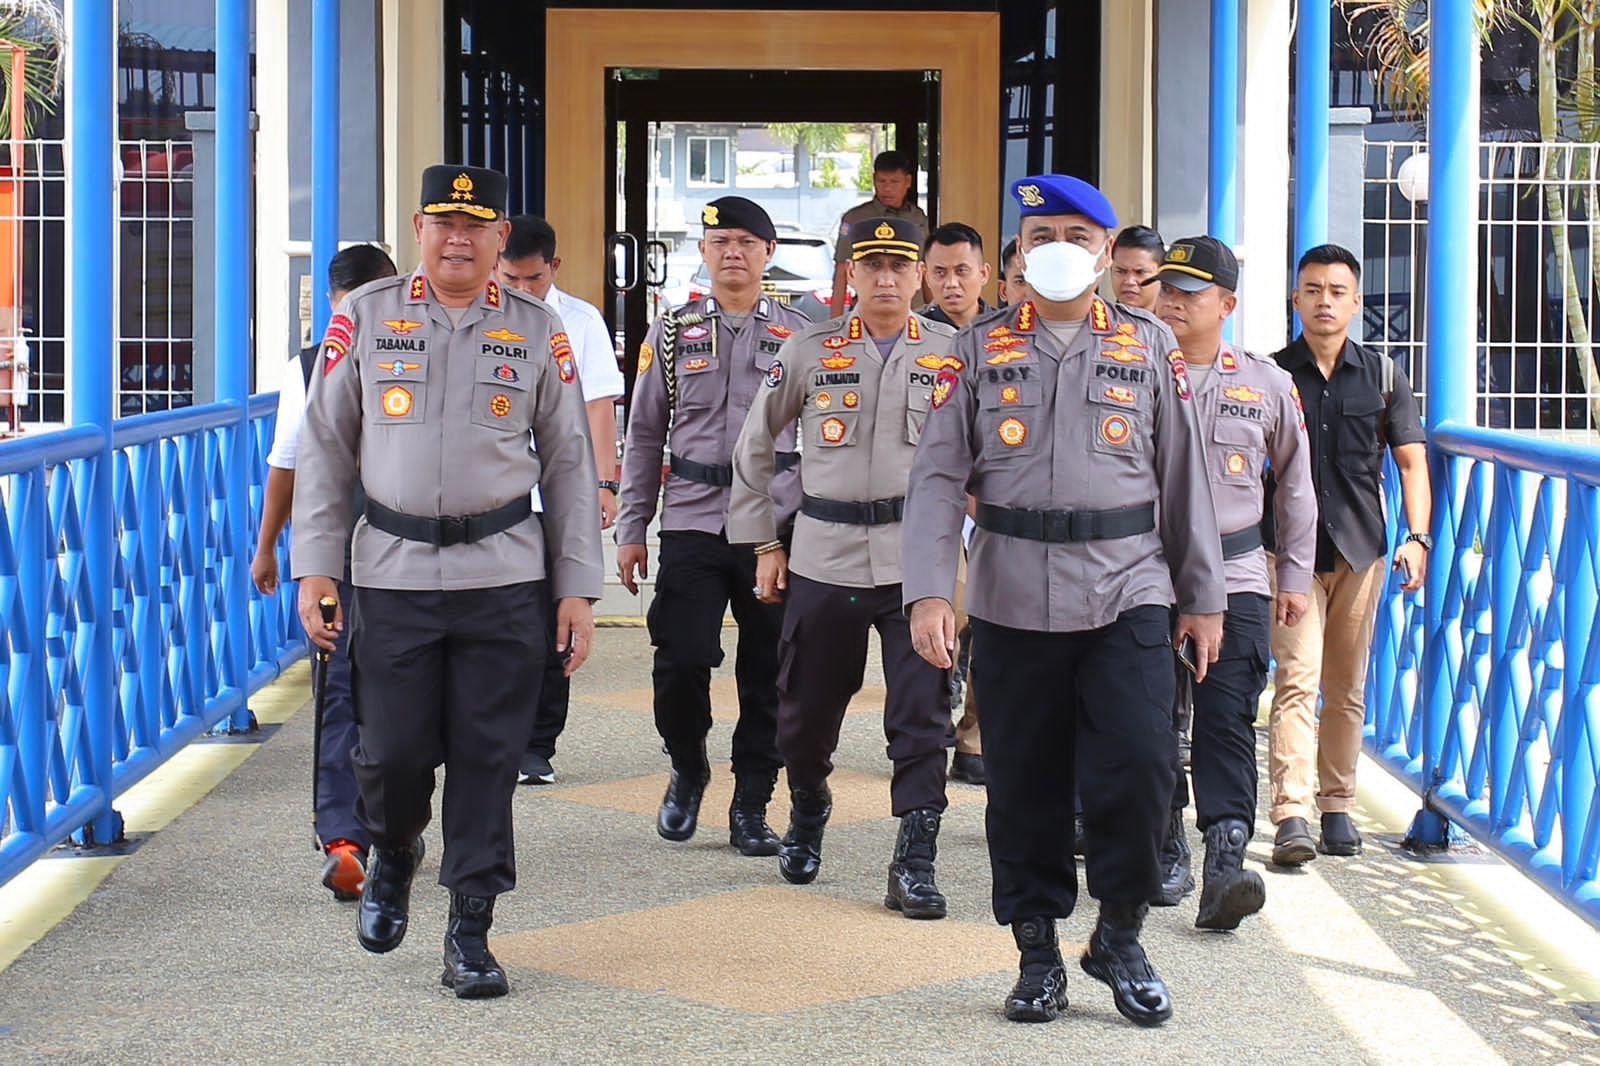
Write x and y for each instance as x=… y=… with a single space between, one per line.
x=529 y=263
x=344 y=840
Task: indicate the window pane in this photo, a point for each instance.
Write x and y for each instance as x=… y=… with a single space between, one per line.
x=697 y=159
x=719 y=162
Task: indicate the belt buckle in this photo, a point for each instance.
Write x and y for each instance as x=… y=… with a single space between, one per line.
x=452 y=530
x=1056 y=526
x=881 y=512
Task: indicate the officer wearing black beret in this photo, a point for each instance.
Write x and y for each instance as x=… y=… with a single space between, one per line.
x=700 y=367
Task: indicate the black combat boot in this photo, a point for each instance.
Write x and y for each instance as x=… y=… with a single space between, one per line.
x=1177 y=878
x=680 y=807
x=1116 y=957
x=469 y=966
x=1231 y=893
x=800 y=853
x=747 y=815
x=1040 y=994
x=385 y=906
x=911 y=888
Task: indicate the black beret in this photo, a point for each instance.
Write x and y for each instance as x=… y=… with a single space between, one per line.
x=736 y=212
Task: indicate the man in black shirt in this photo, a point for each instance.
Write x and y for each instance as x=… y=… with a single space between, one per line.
x=1356 y=402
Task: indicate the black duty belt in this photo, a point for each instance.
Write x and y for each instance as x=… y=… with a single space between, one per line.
x=1240 y=543
x=722 y=476
x=1062 y=527
x=854 y=512
x=447 y=530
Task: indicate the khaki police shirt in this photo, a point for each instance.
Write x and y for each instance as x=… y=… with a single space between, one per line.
x=861 y=415
x=875 y=208
x=1249 y=416
x=719 y=375
x=1109 y=424
x=435 y=419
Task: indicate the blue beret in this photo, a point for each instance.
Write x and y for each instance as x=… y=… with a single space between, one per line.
x=1058 y=194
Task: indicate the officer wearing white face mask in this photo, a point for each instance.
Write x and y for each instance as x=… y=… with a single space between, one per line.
x=1071 y=420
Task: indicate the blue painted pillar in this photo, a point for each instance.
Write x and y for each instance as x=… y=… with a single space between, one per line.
x=1313 y=59
x=235 y=179
x=1452 y=332
x=1222 y=186
x=324 y=156
x=91 y=131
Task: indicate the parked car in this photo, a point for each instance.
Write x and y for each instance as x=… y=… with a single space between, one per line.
x=800 y=274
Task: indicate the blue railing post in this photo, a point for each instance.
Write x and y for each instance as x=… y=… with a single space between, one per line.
x=1222 y=189
x=233 y=254
x=91 y=141
x=324 y=156
x=1313 y=46
x=1452 y=345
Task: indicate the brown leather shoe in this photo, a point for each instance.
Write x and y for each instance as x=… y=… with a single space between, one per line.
x=1293 y=846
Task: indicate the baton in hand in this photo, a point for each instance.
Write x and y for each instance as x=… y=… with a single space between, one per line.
x=329 y=607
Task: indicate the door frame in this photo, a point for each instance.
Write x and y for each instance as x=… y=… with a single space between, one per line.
x=582 y=45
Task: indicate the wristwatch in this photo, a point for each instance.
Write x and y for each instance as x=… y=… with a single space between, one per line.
x=1422 y=539
x=614 y=486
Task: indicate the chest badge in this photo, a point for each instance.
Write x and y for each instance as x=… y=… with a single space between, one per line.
x=1244 y=394
x=1119 y=394
x=940 y=362
x=695 y=333
x=505 y=335
x=852 y=399
x=833 y=430
x=1116 y=429
x=1010 y=395
x=397 y=401
x=694 y=365
x=838 y=362
x=507 y=372
x=500 y=405
x=823 y=400
x=1236 y=464
x=1003 y=358
x=401 y=326
x=397 y=368
x=1013 y=433
x=780 y=332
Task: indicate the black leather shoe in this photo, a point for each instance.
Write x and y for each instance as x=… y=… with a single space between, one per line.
x=800 y=852
x=385 y=906
x=469 y=966
x=911 y=888
x=1230 y=893
x=967 y=767
x=1116 y=957
x=1339 y=835
x=1040 y=994
x=680 y=807
x=1293 y=845
x=748 y=830
x=1177 y=877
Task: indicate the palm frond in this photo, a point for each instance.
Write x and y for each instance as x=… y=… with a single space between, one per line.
x=35 y=26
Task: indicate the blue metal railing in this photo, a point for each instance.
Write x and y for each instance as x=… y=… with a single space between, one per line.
x=170 y=675
x=1512 y=752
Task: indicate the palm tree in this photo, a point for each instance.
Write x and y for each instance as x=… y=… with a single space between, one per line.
x=32 y=32
x=1396 y=35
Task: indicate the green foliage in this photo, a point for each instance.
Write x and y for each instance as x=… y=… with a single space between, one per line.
x=864 y=172
x=827 y=176
x=36 y=27
x=812 y=136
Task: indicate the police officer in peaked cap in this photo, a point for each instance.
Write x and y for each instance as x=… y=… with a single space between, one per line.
x=428 y=389
x=1072 y=421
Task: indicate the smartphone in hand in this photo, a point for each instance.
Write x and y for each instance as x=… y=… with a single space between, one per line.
x=1185 y=653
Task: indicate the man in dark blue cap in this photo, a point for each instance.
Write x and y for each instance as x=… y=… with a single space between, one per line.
x=700 y=368
x=1071 y=421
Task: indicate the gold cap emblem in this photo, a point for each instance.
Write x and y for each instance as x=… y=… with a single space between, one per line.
x=1180 y=253
x=463 y=188
x=708 y=216
x=1030 y=196
x=884 y=231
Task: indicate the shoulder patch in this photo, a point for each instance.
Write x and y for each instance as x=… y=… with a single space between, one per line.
x=337 y=340
x=647 y=358
x=944 y=387
x=1180 y=374
x=775 y=374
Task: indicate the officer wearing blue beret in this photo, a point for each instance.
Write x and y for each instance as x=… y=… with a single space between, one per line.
x=1071 y=420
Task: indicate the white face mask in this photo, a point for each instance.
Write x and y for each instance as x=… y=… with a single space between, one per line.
x=1061 y=270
